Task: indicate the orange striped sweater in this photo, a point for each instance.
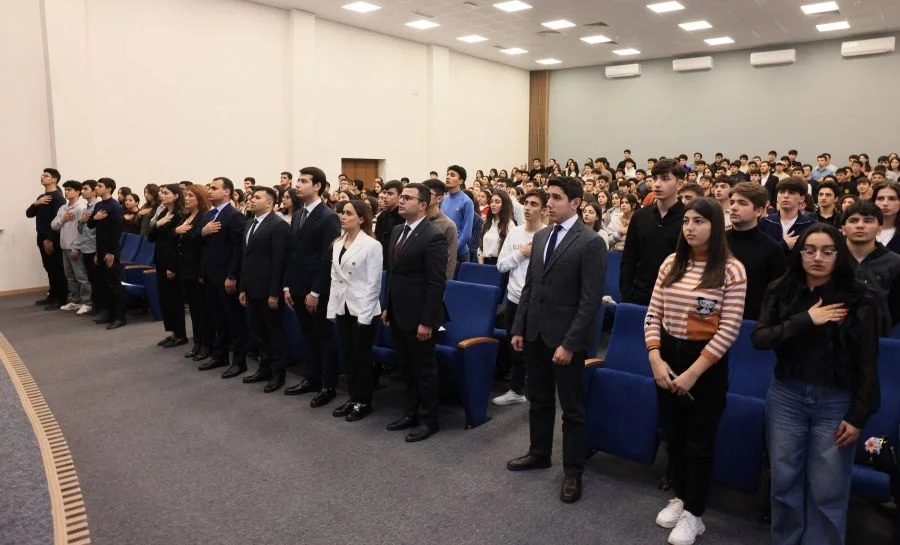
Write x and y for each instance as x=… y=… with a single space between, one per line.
x=698 y=314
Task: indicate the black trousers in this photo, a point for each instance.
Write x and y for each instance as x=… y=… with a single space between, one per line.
x=201 y=324
x=56 y=276
x=95 y=275
x=356 y=347
x=171 y=302
x=690 y=427
x=516 y=359
x=228 y=323
x=113 y=293
x=546 y=380
x=269 y=330
x=419 y=369
x=322 y=367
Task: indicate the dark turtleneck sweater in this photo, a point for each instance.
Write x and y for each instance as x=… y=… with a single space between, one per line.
x=763 y=260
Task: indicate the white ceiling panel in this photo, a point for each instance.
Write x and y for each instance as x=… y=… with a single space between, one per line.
x=752 y=24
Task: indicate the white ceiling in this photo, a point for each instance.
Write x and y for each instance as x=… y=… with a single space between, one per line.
x=751 y=23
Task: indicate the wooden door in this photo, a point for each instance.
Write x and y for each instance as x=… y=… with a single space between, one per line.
x=360 y=169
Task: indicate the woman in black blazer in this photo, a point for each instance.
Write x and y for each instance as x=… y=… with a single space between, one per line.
x=190 y=240
x=162 y=233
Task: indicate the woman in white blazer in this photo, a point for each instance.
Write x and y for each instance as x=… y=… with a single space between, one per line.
x=353 y=303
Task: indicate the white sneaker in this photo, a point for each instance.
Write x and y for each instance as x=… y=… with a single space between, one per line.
x=668 y=517
x=509 y=398
x=70 y=306
x=83 y=310
x=687 y=530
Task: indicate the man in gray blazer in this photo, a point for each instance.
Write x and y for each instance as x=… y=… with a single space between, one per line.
x=554 y=324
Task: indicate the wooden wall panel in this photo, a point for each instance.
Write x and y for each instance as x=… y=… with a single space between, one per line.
x=539 y=115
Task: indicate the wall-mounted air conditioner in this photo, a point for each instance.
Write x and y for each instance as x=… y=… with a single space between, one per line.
x=769 y=58
x=876 y=46
x=623 y=71
x=693 y=64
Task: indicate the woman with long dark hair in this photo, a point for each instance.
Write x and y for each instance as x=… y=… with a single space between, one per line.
x=148 y=211
x=190 y=242
x=166 y=258
x=130 y=219
x=694 y=317
x=497 y=224
x=823 y=325
x=592 y=216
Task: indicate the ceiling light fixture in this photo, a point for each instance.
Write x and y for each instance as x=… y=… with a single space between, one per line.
x=514 y=51
x=695 y=25
x=472 y=39
x=512 y=6
x=548 y=61
x=596 y=39
x=422 y=24
x=559 y=24
x=719 y=41
x=821 y=7
x=665 y=7
x=627 y=51
x=828 y=27
x=362 y=7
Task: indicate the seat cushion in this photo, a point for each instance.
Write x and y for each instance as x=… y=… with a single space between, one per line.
x=740 y=443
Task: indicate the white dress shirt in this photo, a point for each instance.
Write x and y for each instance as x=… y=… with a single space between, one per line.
x=566 y=227
x=258 y=220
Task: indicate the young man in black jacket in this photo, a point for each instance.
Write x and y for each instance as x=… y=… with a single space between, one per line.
x=43 y=210
x=107 y=220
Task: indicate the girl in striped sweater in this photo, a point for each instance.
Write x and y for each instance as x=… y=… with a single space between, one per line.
x=694 y=316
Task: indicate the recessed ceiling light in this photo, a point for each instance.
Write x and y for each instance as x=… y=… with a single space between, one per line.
x=596 y=39
x=821 y=7
x=514 y=51
x=719 y=41
x=472 y=39
x=548 y=61
x=512 y=6
x=422 y=24
x=559 y=24
x=828 y=27
x=362 y=7
x=695 y=25
x=627 y=51
x=665 y=7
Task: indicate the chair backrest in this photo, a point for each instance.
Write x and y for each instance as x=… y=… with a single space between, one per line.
x=611 y=284
x=130 y=247
x=749 y=370
x=473 y=310
x=597 y=333
x=895 y=333
x=146 y=253
x=627 y=351
x=475 y=273
x=884 y=423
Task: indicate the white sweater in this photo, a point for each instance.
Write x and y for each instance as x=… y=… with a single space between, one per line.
x=513 y=262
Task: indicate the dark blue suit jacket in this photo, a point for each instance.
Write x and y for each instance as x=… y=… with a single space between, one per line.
x=309 y=252
x=222 y=251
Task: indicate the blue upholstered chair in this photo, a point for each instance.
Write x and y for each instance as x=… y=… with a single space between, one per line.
x=129 y=247
x=133 y=270
x=611 y=284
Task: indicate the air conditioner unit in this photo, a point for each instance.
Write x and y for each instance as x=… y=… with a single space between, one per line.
x=693 y=64
x=623 y=71
x=876 y=46
x=769 y=58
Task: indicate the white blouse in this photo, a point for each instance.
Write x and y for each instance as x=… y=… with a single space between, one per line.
x=490 y=242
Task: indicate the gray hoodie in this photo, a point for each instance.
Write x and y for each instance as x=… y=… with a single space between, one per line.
x=86 y=242
x=68 y=230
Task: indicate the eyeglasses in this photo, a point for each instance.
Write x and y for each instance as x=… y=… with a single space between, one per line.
x=827 y=253
x=405 y=198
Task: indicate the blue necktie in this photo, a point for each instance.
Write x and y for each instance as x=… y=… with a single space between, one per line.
x=551 y=244
x=213 y=214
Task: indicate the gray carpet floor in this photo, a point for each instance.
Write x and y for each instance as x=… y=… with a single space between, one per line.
x=169 y=455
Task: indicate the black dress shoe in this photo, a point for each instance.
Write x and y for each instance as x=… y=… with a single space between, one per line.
x=93 y=312
x=529 y=461
x=234 y=370
x=343 y=410
x=359 y=411
x=176 y=341
x=571 y=489
x=117 y=324
x=323 y=397
x=200 y=356
x=52 y=306
x=275 y=383
x=192 y=352
x=403 y=423
x=105 y=319
x=304 y=387
x=164 y=341
x=211 y=364
x=258 y=376
x=421 y=433
x=42 y=302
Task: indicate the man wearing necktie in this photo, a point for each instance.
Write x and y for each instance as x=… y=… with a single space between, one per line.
x=553 y=325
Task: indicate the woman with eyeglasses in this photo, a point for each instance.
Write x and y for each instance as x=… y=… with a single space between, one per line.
x=823 y=325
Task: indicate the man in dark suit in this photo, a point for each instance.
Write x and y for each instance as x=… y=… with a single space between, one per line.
x=554 y=323
x=307 y=284
x=220 y=268
x=415 y=309
x=262 y=273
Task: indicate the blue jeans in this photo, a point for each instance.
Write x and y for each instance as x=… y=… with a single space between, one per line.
x=810 y=474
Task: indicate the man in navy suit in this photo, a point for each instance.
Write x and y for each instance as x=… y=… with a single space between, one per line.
x=220 y=268
x=307 y=284
x=262 y=273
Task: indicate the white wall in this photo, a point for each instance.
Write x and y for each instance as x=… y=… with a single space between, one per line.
x=166 y=90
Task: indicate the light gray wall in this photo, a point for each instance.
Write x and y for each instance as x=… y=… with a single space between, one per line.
x=821 y=103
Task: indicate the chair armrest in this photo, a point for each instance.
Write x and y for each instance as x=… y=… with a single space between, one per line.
x=476 y=340
x=150 y=271
x=593 y=362
x=132 y=267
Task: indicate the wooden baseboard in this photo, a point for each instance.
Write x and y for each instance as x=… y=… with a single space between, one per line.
x=70 y=524
x=20 y=291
